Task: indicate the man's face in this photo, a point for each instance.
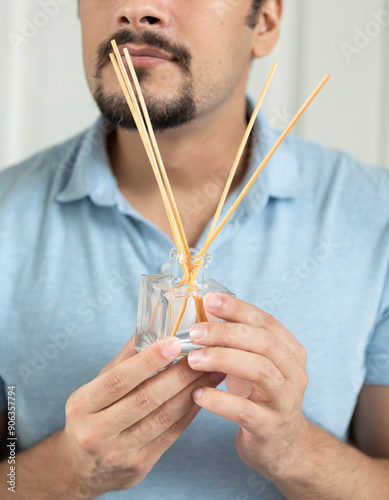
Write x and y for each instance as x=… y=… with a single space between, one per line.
x=190 y=55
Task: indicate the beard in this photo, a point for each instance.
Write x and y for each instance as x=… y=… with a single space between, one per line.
x=164 y=113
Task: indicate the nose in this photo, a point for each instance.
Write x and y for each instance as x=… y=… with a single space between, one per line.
x=143 y=14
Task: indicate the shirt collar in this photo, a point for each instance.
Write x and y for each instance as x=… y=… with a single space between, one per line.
x=282 y=176
x=92 y=176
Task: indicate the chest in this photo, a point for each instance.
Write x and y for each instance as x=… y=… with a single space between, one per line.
x=70 y=311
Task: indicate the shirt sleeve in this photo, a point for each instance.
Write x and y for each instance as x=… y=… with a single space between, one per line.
x=3 y=399
x=377 y=355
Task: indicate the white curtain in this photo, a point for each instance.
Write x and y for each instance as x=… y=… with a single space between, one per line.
x=44 y=98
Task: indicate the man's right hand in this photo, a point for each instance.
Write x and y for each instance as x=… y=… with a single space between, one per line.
x=119 y=424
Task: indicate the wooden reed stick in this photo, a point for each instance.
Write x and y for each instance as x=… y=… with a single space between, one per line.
x=238 y=157
x=180 y=316
x=259 y=170
x=155 y=160
x=262 y=166
x=240 y=152
x=177 y=229
x=148 y=138
x=157 y=151
x=134 y=108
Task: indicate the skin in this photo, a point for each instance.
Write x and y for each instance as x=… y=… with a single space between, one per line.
x=264 y=363
x=209 y=143
x=117 y=427
x=266 y=377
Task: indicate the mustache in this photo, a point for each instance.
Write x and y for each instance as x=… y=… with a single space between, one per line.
x=155 y=40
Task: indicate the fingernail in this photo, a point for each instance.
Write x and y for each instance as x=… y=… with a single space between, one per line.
x=198 y=331
x=213 y=301
x=171 y=347
x=196 y=356
x=216 y=376
x=198 y=392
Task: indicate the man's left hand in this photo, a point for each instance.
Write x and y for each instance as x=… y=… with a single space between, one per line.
x=266 y=364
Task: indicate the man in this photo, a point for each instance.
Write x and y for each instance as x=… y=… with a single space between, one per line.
x=309 y=244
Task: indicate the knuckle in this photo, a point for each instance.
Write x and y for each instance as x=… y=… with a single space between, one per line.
x=88 y=440
x=143 y=401
x=268 y=321
x=265 y=370
x=166 y=441
x=164 y=418
x=168 y=438
x=72 y=407
x=183 y=373
x=220 y=329
x=115 y=381
x=304 y=379
x=255 y=316
x=246 y=415
x=288 y=355
x=270 y=342
x=115 y=460
x=242 y=331
x=177 y=429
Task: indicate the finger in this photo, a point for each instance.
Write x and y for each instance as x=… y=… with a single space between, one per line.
x=148 y=396
x=250 y=339
x=155 y=449
x=127 y=352
x=260 y=371
x=160 y=420
x=234 y=310
x=125 y=376
x=242 y=411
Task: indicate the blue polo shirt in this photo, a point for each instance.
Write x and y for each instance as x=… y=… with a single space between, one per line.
x=309 y=244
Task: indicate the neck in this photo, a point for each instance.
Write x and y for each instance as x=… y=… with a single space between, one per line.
x=197 y=158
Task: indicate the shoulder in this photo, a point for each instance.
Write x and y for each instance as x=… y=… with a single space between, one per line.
x=38 y=177
x=338 y=179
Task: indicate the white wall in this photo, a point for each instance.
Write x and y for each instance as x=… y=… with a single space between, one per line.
x=44 y=98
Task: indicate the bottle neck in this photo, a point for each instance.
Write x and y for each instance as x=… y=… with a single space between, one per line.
x=184 y=265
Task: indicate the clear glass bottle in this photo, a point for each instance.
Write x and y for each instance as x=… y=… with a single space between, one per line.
x=162 y=300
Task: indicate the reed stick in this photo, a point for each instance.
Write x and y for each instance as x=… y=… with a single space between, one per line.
x=239 y=156
x=264 y=163
x=147 y=135
x=259 y=170
x=135 y=110
x=132 y=103
x=155 y=159
x=240 y=152
x=157 y=151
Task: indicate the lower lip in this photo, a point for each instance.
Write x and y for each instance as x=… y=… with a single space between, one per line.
x=145 y=61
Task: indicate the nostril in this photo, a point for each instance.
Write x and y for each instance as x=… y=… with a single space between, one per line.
x=150 y=19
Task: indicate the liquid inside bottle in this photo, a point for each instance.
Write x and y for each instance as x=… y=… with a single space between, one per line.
x=167 y=306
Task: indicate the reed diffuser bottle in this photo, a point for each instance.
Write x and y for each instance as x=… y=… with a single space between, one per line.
x=168 y=306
